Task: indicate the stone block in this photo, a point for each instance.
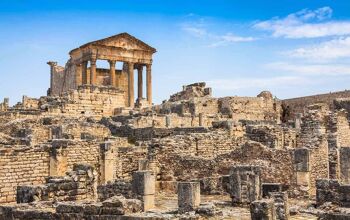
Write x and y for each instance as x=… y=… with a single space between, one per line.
x=245 y=184
x=143 y=183
x=344 y=161
x=188 y=196
x=301 y=160
x=262 y=210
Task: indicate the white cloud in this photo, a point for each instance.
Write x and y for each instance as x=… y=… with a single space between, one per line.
x=262 y=83
x=230 y=38
x=305 y=24
x=310 y=69
x=195 y=31
x=199 y=30
x=329 y=50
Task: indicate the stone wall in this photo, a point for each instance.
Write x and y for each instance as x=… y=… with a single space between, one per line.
x=78 y=184
x=21 y=165
x=299 y=105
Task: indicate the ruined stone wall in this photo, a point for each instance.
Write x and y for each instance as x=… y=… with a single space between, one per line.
x=128 y=160
x=180 y=161
x=78 y=184
x=30 y=103
x=21 y=165
x=89 y=101
x=86 y=130
x=115 y=188
x=63 y=79
x=299 y=105
x=194 y=90
x=250 y=108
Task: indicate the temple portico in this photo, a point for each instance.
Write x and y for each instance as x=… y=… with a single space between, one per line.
x=133 y=53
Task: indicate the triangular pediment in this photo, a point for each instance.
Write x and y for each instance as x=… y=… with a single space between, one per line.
x=123 y=40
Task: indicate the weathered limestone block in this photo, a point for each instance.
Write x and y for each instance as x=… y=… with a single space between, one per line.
x=345 y=165
x=281 y=205
x=188 y=196
x=344 y=195
x=107 y=164
x=143 y=185
x=263 y=210
x=245 y=184
x=302 y=166
x=327 y=190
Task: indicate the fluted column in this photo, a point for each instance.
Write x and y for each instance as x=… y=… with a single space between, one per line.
x=131 y=84
x=84 y=72
x=93 y=72
x=112 y=72
x=139 y=82
x=78 y=74
x=149 y=83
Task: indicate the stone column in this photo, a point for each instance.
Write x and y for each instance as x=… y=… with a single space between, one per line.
x=93 y=72
x=302 y=166
x=143 y=185
x=344 y=162
x=139 y=82
x=84 y=72
x=189 y=196
x=78 y=74
x=131 y=84
x=149 y=83
x=108 y=156
x=112 y=72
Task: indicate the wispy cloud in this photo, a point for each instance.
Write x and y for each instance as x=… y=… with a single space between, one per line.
x=305 y=24
x=199 y=30
x=326 y=51
x=261 y=83
x=310 y=69
x=230 y=38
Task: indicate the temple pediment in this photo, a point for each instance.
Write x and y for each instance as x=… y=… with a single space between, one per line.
x=123 y=40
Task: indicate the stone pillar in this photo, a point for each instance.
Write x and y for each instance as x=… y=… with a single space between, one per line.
x=78 y=74
x=281 y=206
x=344 y=161
x=131 y=85
x=107 y=165
x=52 y=70
x=297 y=123
x=93 y=72
x=58 y=161
x=112 y=76
x=201 y=119
x=143 y=185
x=167 y=121
x=86 y=78
x=302 y=166
x=189 y=196
x=262 y=210
x=149 y=83
x=139 y=82
x=245 y=184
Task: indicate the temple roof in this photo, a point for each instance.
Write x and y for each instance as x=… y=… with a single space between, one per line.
x=122 y=40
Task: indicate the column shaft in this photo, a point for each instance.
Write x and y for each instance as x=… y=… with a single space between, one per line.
x=112 y=72
x=139 y=83
x=93 y=72
x=78 y=74
x=131 y=84
x=149 y=83
x=84 y=73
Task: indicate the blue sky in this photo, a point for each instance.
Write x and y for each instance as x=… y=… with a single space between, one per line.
x=292 y=48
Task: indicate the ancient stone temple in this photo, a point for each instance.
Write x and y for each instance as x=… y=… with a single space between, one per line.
x=90 y=150
x=81 y=69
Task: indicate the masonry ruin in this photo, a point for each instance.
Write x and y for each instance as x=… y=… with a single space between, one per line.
x=90 y=149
